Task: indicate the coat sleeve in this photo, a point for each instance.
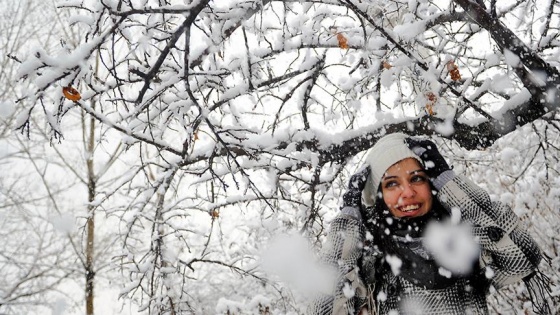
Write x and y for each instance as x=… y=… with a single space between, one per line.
x=342 y=251
x=508 y=250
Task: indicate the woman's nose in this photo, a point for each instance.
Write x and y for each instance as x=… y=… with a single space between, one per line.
x=407 y=190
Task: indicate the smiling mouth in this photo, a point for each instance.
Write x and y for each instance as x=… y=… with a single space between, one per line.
x=409 y=208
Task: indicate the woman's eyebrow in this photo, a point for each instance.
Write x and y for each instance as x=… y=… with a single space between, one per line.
x=410 y=173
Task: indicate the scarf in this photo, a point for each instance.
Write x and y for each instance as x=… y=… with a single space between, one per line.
x=403 y=238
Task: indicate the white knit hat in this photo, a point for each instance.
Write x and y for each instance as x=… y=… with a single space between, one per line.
x=387 y=151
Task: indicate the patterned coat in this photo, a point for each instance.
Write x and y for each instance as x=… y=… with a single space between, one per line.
x=509 y=252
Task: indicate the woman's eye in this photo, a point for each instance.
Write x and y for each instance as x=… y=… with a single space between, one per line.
x=418 y=179
x=391 y=184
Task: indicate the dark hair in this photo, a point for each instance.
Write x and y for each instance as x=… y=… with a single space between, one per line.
x=383 y=226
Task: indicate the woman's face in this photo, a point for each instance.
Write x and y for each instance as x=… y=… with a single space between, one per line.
x=406 y=189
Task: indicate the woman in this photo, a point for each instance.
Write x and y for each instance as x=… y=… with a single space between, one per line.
x=384 y=264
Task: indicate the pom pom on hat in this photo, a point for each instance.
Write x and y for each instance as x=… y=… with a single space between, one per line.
x=387 y=151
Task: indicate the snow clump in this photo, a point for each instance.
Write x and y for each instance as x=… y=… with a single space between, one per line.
x=452 y=246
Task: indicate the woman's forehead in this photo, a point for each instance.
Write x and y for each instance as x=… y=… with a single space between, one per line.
x=407 y=165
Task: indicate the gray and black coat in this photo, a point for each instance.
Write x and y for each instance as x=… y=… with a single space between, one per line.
x=359 y=243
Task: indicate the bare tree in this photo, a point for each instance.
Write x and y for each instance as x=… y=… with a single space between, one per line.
x=261 y=104
x=42 y=251
x=33 y=262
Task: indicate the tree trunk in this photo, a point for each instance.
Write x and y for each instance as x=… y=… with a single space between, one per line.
x=90 y=224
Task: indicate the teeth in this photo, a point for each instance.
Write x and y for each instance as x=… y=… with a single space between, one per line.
x=410 y=208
